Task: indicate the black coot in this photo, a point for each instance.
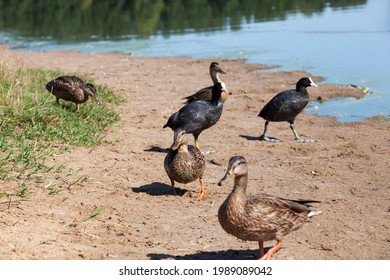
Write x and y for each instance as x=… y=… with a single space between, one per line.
x=285 y=106
x=196 y=116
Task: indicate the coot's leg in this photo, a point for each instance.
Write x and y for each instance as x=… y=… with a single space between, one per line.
x=294 y=131
x=196 y=140
x=300 y=140
x=208 y=152
x=264 y=137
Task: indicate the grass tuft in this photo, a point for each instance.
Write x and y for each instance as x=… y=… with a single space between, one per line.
x=33 y=126
x=93 y=215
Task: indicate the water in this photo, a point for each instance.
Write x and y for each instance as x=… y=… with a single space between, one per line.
x=346 y=42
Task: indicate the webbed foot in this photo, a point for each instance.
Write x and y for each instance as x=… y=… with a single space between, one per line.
x=269 y=139
x=300 y=140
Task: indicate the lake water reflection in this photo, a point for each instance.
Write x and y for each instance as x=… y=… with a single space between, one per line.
x=347 y=42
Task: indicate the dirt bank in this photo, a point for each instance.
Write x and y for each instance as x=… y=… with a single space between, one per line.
x=348 y=169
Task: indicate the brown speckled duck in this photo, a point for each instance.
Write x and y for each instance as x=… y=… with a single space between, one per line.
x=72 y=88
x=206 y=93
x=184 y=164
x=259 y=217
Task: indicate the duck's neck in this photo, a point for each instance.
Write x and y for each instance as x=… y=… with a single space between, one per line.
x=215 y=77
x=237 y=199
x=240 y=184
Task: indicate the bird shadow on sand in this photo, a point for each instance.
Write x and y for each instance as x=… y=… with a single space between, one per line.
x=157 y=188
x=250 y=138
x=157 y=149
x=212 y=255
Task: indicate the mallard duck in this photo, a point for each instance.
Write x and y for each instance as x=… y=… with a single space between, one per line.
x=72 y=88
x=206 y=93
x=196 y=116
x=259 y=217
x=285 y=106
x=185 y=164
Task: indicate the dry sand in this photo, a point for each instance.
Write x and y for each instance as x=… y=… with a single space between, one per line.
x=348 y=170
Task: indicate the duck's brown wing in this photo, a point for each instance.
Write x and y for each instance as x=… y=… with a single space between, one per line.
x=67 y=88
x=70 y=81
x=64 y=83
x=297 y=206
x=277 y=214
x=202 y=94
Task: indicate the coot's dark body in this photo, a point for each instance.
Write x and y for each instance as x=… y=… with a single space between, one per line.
x=285 y=106
x=196 y=116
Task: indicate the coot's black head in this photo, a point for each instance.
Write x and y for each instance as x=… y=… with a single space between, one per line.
x=305 y=82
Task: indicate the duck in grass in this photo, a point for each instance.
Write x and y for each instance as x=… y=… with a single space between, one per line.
x=285 y=107
x=259 y=217
x=197 y=116
x=184 y=164
x=206 y=93
x=72 y=88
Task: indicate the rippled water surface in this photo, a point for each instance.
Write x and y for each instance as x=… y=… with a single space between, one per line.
x=347 y=42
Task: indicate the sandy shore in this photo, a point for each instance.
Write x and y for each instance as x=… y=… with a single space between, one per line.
x=348 y=170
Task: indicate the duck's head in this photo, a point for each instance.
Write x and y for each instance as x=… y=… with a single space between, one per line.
x=305 y=82
x=90 y=90
x=237 y=167
x=178 y=140
x=183 y=146
x=214 y=67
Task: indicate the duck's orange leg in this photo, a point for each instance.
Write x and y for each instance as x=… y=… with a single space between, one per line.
x=271 y=251
x=173 y=187
x=202 y=191
x=261 y=249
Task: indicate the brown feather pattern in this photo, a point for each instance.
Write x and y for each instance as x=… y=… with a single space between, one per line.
x=206 y=92
x=72 y=88
x=185 y=164
x=259 y=217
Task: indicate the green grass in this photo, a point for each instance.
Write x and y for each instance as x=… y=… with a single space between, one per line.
x=19 y=193
x=93 y=215
x=33 y=127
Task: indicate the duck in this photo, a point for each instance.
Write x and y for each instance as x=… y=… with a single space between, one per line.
x=195 y=117
x=72 y=88
x=184 y=164
x=285 y=107
x=259 y=217
x=206 y=93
